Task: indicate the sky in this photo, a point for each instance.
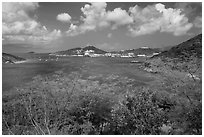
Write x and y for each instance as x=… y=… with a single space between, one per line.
x=56 y=26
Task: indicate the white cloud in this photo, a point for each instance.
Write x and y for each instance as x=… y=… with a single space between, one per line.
x=21 y=27
x=73 y=30
x=139 y=21
x=158 y=18
x=18 y=26
x=93 y=18
x=64 y=17
x=13 y=11
x=96 y=17
x=198 y=22
x=119 y=17
x=173 y=21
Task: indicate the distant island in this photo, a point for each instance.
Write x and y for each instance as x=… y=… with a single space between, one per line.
x=92 y=51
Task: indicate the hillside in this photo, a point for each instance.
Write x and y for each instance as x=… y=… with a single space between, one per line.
x=8 y=58
x=185 y=50
x=96 y=50
x=185 y=57
x=81 y=51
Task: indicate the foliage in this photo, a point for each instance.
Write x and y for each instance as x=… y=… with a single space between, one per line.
x=68 y=104
x=137 y=114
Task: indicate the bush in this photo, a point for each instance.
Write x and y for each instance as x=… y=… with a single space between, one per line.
x=61 y=104
x=137 y=114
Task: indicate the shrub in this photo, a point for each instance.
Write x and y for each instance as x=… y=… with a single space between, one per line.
x=137 y=114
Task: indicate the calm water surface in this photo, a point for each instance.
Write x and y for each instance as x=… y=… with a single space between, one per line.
x=14 y=75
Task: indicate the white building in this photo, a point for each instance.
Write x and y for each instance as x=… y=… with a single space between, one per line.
x=108 y=54
x=131 y=54
x=88 y=52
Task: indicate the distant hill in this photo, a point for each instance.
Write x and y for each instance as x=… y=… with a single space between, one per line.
x=140 y=51
x=189 y=48
x=81 y=51
x=96 y=50
x=8 y=58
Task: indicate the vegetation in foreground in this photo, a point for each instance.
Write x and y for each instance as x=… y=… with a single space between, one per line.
x=68 y=104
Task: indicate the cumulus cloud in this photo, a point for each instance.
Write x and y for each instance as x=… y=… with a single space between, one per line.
x=158 y=18
x=173 y=21
x=17 y=11
x=138 y=20
x=93 y=18
x=73 y=30
x=118 y=17
x=144 y=20
x=96 y=17
x=64 y=17
x=18 y=26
